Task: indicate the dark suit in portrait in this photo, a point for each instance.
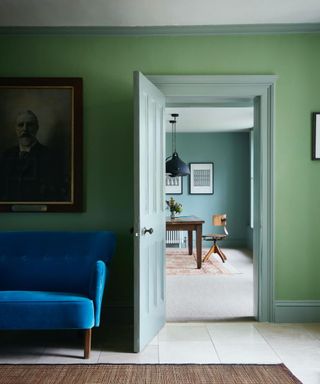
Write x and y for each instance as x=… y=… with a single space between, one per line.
x=30 y=172
x=30 y=176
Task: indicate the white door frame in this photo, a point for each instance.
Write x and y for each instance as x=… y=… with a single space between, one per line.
x=205 y=90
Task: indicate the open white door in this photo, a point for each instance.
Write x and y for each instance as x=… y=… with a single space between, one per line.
x=149 y=215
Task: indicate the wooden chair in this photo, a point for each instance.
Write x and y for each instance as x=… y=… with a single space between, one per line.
x=217 y=220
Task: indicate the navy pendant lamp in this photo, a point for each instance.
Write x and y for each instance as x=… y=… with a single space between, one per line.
x=174 y=165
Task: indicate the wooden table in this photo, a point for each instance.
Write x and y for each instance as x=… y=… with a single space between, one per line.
x=190 y=224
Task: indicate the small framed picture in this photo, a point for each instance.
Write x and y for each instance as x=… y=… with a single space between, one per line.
x=316 y=136
x=201 y=179
x=174 y=185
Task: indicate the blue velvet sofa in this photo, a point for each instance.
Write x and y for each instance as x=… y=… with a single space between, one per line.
x=53 y=280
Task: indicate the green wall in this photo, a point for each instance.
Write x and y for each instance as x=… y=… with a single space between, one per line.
x=106 y=65
x=230 y=153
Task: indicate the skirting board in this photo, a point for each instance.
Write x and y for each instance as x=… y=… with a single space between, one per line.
x=285 y=311
x=297 y=311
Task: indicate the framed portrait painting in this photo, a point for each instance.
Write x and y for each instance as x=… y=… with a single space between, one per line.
x=201 y=179
x=41 y=144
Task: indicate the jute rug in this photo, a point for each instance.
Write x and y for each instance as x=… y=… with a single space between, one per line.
x=179 y=262
x=146 y=374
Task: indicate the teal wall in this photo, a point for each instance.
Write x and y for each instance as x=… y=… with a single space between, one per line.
x=106 y=65
x=230 y=154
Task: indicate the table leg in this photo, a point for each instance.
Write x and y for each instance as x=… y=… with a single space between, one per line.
x=190 y=242
x=199 y=245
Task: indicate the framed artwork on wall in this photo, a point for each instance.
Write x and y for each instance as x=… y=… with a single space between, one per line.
x=174 y=185
x=41 y=144
x=316 y=136
x=201 y=179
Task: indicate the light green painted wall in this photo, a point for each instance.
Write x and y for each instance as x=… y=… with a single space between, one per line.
x=230 y=153
x=106 y=65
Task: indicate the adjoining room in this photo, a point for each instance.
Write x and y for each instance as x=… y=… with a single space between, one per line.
x=216 y=143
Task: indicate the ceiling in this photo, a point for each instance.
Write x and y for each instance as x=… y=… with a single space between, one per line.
x=156 y=12
x=211 y=119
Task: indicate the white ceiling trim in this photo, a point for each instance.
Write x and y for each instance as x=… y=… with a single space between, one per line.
x=126 y=13
x=194 y=30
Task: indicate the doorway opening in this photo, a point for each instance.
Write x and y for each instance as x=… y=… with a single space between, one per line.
x=152 y=95
x=217 y=143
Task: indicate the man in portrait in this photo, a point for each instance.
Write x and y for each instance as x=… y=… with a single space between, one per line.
x=30 y=171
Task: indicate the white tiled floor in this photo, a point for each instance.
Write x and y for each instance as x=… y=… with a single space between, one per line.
x=296 y=345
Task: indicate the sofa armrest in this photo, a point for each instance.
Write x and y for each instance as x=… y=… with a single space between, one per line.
x=98 y=278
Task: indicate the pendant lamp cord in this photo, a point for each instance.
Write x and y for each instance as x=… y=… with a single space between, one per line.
x=171 y=136
x=174 y=132
x=175 y=135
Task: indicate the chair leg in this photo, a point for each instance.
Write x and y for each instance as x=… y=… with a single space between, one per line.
x=207 y=255
x=87 y=343
x=215 y=249
x=224 y=255
x=221 y=254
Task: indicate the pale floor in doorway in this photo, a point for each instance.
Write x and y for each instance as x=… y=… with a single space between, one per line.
x=213 y=297
x=295 y=345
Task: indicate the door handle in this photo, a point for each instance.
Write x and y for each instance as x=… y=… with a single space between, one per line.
x=145 y=230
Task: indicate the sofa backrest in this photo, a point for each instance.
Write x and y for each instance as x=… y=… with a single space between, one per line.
x=52 y=261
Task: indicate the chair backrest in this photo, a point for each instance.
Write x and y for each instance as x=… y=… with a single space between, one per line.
x=220 y=220
x=52 y=261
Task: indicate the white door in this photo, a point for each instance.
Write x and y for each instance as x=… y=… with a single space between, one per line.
x=149 y=215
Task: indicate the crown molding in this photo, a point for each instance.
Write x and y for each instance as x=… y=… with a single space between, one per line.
x=193 y=30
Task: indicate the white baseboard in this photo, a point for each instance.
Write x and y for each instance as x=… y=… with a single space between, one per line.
x=296 y=311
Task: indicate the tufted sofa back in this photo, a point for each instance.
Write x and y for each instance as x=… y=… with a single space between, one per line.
x=52 y=261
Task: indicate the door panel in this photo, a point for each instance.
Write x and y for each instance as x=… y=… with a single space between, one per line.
x=149 y=248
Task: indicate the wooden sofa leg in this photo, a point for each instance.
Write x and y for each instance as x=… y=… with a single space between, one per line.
x=87 y=343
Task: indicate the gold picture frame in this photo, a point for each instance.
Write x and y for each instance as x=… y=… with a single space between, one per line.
x=41 y=145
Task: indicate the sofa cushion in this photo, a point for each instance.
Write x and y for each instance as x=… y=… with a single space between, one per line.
x=45 y=310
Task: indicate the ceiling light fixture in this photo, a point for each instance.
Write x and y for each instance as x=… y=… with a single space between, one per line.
x=174 y=165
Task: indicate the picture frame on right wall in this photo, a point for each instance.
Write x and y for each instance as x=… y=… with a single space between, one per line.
x=316 y=136
x=201 y=178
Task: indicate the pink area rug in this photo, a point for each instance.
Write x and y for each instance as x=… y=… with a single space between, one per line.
x=179 y=262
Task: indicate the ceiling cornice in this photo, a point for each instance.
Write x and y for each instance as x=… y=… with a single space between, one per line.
x=201 y=30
